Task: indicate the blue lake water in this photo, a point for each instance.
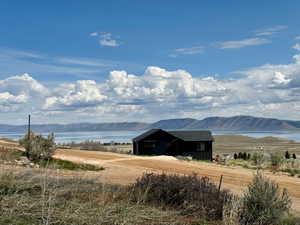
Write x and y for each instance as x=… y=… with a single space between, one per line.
x=126 y=136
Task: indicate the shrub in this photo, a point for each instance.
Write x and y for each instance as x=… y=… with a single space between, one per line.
x=244 y=156
x=276 y=160
x=258 y=158
x=290 y=220
x=292 y=172
x=240 y=155
x=287 y=155
x=248 y=156
x=263 y=204
x=294 y=156
x=38 y=147
x=235 y=156
x=67 y=165
x=190 y=194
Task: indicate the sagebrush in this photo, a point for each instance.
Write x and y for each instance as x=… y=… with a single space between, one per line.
x=263 y=203
x=35 y=198
x=38 y=147
x=192 y=195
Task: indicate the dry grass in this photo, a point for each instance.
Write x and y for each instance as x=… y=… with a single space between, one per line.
x=237 y=143
x=36 y=197
x=9 y=154
x=122 y=148
x=192 y=195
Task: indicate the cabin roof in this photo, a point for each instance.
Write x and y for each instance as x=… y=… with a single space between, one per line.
x=185 y=135
x=192 y=135
x=143 y=135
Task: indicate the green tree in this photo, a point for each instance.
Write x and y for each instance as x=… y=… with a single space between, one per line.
x=235 y=156
x=287 y=155
x=240 y=155
x=38 y=147
x=248 y=156
x=294 y=156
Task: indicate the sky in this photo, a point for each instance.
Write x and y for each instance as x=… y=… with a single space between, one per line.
x=114 y=61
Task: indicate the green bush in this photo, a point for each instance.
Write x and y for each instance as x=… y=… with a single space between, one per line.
x=38 y=147
x=240 y=155
x=248 y=156
x=276 y=160
x=67 y=165
x=294 y=156
x=287 y=155
x=258 y=158
x=292 y=172
x=235 y=156
x=190 y=194
x=263 y=204
x=290 y=220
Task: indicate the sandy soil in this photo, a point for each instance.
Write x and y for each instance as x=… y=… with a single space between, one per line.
x=125 y=169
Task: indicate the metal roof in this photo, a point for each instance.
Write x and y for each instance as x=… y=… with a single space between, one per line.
x=192 y=135
x=185 y=135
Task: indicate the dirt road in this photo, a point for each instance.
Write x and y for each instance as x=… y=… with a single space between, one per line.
x=124 y=169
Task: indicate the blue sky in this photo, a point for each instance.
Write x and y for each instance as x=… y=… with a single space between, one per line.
x=187 y=59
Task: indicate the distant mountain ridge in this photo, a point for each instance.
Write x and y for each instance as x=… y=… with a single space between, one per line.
x=235 y=123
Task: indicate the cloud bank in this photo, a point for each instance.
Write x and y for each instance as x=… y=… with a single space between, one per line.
x=267 y=90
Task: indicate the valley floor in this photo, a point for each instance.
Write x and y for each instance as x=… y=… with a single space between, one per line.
x=125 y=169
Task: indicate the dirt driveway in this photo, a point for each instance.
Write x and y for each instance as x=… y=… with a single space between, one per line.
x=124 y=169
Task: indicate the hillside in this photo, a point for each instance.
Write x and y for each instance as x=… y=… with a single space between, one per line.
x=235 y=123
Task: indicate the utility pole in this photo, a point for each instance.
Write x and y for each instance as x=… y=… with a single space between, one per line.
x=29 y=127
x=28 y=138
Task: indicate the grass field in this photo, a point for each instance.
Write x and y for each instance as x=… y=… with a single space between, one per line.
x=230 y=144
x=238 y=143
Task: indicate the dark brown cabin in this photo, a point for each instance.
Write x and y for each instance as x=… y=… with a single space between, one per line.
x=195 y=143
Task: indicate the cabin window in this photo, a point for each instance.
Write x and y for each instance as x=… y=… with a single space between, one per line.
x=200 y=147
x=149 y=144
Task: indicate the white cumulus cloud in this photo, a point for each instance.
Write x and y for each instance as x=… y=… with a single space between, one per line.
x=83 y=93
x=106 y=39
x=297 y=46
x=267 y=90
x=22 y=84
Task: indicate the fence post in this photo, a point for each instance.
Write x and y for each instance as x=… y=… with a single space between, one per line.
x=220 y=183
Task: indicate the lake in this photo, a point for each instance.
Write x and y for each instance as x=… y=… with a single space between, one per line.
x=126 y=136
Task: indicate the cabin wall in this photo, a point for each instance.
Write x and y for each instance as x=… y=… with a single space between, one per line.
x=154 y=144
x=162 y=143
x=190 y=148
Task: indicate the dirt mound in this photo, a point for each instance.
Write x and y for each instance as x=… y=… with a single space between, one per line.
x=164 y=157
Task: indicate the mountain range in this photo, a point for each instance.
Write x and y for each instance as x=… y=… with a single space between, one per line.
x=235 y=123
